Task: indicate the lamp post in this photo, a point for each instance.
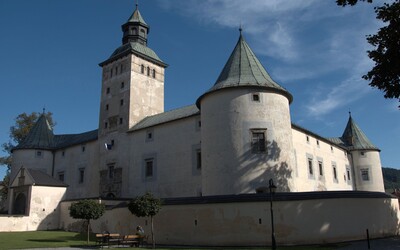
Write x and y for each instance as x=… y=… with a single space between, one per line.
x=272 y=189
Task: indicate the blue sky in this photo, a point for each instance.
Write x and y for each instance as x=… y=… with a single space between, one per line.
x=50 y=50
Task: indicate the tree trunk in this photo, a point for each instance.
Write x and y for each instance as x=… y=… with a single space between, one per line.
x=88 y=229
x=152 y=233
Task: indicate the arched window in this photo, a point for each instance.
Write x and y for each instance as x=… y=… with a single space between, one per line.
x=154 y=73
x=148 y=71
x=133 y=31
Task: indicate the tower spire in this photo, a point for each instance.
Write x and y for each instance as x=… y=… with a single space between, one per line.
x=135 y=29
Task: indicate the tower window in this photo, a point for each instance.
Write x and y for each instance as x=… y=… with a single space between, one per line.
x=81 y=175
x=61 y=176
x=365 y=174
x=83 y=148
x=148 y=71
x=258 y=142
x=121 y=102
x=120 y=120
x=307 y=139
x=149 y=167
x=122 y=85
x=39 y=154
x=142 y=69
x=106 y=125
x=107 y=106
x=256 y=97
x=108 y=91
x=154 y=73
x=198 y=159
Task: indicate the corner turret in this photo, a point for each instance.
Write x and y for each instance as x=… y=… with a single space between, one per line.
x=246 y=135
x=366 y=158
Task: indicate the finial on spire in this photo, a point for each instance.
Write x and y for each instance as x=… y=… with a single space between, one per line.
x=240 y=29
x=349 y=113
x=44 y=110
x=137 y=4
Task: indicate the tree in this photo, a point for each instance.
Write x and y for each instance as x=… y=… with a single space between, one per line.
x=87 y=210
x=385 y=75
x=23 y=124
x=145 y=206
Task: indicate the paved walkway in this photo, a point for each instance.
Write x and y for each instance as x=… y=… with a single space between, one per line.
x=384 y=244
x=379 y=244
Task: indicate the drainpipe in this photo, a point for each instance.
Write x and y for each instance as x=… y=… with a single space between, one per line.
x=53 y=163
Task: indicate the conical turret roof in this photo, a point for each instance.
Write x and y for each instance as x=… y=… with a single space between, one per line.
x=137 y=17
x=355 y=139
x=243 y=69
x=39 y=137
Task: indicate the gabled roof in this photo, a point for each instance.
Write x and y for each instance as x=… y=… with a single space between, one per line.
x=42 y=179
x=39 y=137
x=136 y=49
x=354 y=138
x=165 y=117
x=243 y=69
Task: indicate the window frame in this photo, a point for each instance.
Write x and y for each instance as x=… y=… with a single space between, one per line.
x=258 y=141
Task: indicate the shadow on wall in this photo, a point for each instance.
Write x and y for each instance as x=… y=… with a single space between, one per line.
x=255 y=169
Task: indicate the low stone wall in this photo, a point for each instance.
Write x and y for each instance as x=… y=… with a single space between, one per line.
x=244 y=220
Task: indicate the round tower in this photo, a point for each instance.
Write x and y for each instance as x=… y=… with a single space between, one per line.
x=35 y=151
x=246 y=136
x=365 y=158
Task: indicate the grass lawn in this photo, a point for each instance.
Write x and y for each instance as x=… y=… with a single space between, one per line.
x=54 y=239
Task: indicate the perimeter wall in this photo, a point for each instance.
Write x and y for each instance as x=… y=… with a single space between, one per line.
x=244 y=220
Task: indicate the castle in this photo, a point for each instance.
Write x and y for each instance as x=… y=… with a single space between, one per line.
x=236 y=137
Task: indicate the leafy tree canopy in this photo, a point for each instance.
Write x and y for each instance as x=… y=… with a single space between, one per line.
x=145 y=206
x=86 y=210
x=385 y=75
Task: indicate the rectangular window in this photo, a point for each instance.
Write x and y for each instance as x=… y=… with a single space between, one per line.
x=334 y=173
x=348 y=174
x=258 y=142
x=318 y=143
x=122 y=85
x=39 y=154
x=149 y=168
x=61 y=176
x=365 y=174
x=108 y=91
x=81 y=175
x=320 y=167
x=154 y=73
x=63 y=153
x=256 y=97
x=307 y=139
x=310 y=166
x=83 y=148
x=111 y=171
x=121 y=120
x=107 y=106
x=198 y=159
x=121 y=102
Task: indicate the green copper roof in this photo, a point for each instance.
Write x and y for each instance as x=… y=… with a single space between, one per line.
x=243 y=69
x=39 y=137
x=137 y=49
x=165 y=117
x=137 y=17
x=354 y=138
